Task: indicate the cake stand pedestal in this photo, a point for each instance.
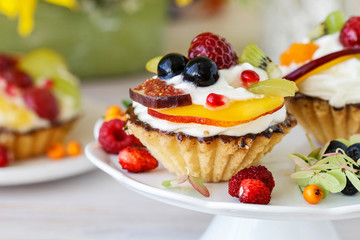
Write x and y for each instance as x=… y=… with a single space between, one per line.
x=287 y=216
x=224 y=227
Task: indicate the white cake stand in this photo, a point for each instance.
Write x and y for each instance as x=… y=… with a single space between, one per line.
x=288 y=216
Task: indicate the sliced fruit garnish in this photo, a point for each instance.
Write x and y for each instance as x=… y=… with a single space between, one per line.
x=13 y=115
x=46 y=63
x=298 y=53
x=253 y=55
x=152 y=64
x=320 y=64
x=333 y=23
x=155 y=93
x=238 y=111
x=274 y=87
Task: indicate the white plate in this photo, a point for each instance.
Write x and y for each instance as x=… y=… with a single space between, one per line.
x=42 y=169
x=287 y=202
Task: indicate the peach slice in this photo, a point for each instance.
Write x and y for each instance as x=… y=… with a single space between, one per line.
x=238 y=112
x=298 y=53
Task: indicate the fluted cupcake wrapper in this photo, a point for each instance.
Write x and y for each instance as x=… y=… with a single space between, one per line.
x=36 y=142
x=323 y=121
x=214 y=160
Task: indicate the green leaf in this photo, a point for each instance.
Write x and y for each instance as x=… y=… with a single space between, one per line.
x=312 y=146
x=175 y=182
x=300 y=162
x=326 y=166
x=341 y=177
x=303 y=182
x=353 y=179
x=316 y=181
x=294 y=155
x=315 y=154
x=126 y=103
x=199 y=186
x=302 y=174
x=344 y=141
x=329 y=182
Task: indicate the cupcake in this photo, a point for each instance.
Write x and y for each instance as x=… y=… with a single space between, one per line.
x=211 y=113
x=325 y=67
x=39 y=102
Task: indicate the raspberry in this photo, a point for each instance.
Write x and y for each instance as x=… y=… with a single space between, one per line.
x=350 y=33
x=112 y=137
x=254 y=191
x=215 y=47
x=258 y=172
x=43 y=102
x=136 y=159
x=5 y=156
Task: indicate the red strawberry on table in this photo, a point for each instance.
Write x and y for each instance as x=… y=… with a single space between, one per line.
x=136 y=159
x=254 y=191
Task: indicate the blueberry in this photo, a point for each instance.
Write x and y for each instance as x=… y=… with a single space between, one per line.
x=353 y=152
x=349 y=188
x=335 y=145
x=202 y=71
x=170 y=65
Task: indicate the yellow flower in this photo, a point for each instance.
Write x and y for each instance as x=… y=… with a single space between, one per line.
x=24 y=10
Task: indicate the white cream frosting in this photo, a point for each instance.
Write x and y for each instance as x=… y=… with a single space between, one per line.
x=339 y=84
x=228 y=85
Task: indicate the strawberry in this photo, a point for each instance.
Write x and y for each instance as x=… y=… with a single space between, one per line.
x=254 y=191
x=215 y=47
x=258 y=172
x=136 y=159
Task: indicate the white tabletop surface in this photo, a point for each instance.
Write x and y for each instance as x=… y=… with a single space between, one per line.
x=94 y=206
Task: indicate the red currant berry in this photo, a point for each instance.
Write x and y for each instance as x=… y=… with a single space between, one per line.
x=350 y=33
x=249 y=77
x=214 y=100
x=5 y=157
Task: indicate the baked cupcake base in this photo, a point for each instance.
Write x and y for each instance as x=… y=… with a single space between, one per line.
x=212 y=159
x=34 y=143
x=323 y=121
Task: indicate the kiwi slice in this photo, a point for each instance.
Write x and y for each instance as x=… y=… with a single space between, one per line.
x=274 y=87
x=253 y=55
x=333 y=23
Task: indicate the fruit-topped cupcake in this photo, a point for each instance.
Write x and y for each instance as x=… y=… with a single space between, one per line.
x=326 y=68
x=39 y=102
x=211 y=112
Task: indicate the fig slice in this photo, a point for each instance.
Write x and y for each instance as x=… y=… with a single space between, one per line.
x=322 y=63
x=155 y=93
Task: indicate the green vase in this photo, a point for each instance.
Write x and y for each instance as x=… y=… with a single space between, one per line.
x=95 y=41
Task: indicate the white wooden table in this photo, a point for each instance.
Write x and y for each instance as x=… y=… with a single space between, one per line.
x=94 y=206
